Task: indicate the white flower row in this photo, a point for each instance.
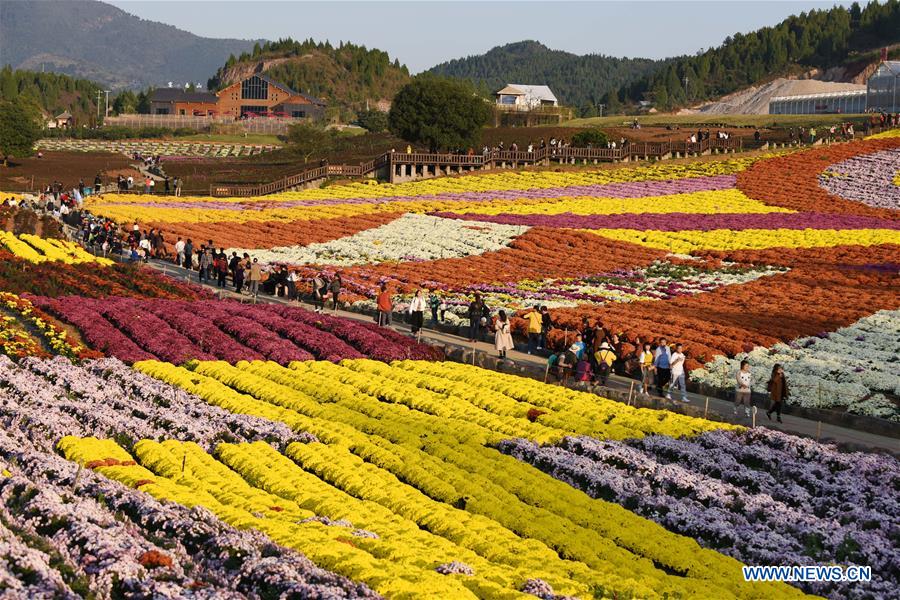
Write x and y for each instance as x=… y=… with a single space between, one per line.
x=850 y=368
x=411 y=237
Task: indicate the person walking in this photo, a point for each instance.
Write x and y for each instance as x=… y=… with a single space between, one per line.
x=255 y=277
x=434 y=303
x=646 y=362
x=535 y=323
x=778 y=392
x=742 y=391
x=385 y=306
x=98 y=184
x=336 y=282
x=238 y=274
x=179 y=252
x=605 y=357
x=503 y=334
x=476 y=307
x=188 y=254
x=291 y=280
x=662 y=364
x=319 y=289
x=204 y=263
x=416 y=311
x=222 y=269
x=168 y=187
x=677 y=374
x=546 y=325
x=177 y=187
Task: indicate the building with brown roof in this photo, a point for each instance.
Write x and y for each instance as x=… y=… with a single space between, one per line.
x=253 y=96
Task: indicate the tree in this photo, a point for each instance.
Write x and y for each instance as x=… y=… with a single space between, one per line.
x=374 y=121
x=143 y=102
x=125 y=103
x=590 y=137
x=441 y=113
x=19 y=129
x=309 y=140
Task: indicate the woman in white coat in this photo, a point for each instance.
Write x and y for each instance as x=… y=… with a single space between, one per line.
x=417 y=311
x=503 y=334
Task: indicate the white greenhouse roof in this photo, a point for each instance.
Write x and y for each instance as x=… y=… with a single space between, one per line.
x=845 y=94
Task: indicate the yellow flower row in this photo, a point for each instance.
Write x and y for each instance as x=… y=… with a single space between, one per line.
x=888 y=133
x=503 y=181
x=707 y=202
x=685 y=242
x=36 y=249
x=15 y=342
x=386 y=430
x=399 y=560
x=55 y=337
x=718 y=201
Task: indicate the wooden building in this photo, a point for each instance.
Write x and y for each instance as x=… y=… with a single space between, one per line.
x=256 y=95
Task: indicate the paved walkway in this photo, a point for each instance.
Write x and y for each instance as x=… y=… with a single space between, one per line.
x=719 y=409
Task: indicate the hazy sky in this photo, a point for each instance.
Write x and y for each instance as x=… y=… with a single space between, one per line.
x=422 y=34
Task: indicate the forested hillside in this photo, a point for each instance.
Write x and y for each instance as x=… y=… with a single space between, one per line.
x=98 y=41
x=581 y=82
x=346 y=75
x=817 y=39
x=50 y=92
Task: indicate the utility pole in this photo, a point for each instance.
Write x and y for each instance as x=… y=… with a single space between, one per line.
x=99 y=92
x=686 y=81
x=601 y=107
x=106 y=114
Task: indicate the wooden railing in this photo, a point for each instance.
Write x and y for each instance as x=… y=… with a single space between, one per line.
x=492 y=158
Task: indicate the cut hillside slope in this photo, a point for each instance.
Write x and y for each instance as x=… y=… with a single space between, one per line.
x=754 y=100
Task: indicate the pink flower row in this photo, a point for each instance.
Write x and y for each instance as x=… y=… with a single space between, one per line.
x=133 y=329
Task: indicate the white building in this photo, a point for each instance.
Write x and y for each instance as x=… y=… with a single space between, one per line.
x=884 y=87
x=516 y=96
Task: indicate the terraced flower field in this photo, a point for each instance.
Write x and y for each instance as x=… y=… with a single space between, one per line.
x=159 y=443
x=730 y=257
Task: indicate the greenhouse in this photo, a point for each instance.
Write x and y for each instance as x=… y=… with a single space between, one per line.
x=845 y=102
x=883 y=93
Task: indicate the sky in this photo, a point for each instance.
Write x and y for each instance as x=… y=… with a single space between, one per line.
x=423 y=34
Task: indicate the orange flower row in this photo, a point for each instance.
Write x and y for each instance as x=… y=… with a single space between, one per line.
x=807 y=300
x=539 y=253
x=268 y=234
x=792 y=181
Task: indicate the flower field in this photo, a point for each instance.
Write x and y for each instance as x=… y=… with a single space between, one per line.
x=757 y=231
x=155 y=147
x=157 y=442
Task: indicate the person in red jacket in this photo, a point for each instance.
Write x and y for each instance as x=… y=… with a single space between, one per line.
x=385 y=306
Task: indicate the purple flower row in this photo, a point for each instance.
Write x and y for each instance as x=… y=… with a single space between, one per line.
x=175 y=331
x=868 y=178
x=104 y=397
x=762 y=498
x=686 y=221
x=631 y=189
x=101 y=530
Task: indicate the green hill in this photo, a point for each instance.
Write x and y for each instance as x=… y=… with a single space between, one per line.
x=51 y=93
x=819 y=39
x=581 y=82
x=346 y=75
x=97 y=41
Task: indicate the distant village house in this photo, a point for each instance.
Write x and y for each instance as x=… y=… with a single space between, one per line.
x=64 y=120
x=254 y=96
x=525 y=97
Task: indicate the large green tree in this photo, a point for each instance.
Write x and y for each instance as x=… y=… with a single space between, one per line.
x=440 y=113
x=19 y=129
